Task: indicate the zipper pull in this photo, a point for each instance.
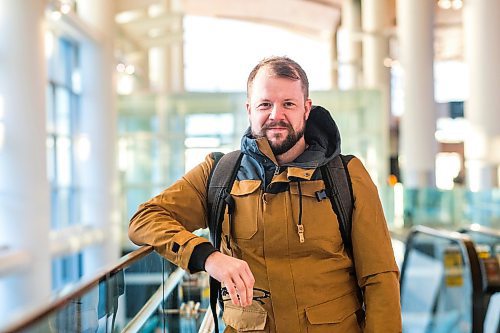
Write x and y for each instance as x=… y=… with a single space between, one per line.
x=277 y=170
x=300 y=231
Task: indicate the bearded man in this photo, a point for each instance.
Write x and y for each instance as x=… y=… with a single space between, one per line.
x=283 y=264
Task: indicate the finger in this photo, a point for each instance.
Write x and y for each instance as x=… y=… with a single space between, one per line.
x=232 y=293
x=242 y=291
x=249 y=281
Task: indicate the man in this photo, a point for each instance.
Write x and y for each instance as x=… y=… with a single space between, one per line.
x=282 y=263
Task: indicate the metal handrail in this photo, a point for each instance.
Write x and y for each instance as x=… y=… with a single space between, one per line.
x=160 y=295
x=207 y=325
x=482 y=230
x=78 y=291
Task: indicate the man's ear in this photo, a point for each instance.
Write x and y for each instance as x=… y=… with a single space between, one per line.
x=249 y=108
x=308 y=106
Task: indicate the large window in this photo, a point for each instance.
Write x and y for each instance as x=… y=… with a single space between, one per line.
x=231 y=48
x=206 y=133
x=62 y=122
x=63 y=96
x=66 y=269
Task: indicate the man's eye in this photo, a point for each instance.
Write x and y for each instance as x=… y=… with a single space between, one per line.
x=264 y=106
x=289 y=104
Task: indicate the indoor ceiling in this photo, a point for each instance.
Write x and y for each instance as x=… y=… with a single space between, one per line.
x=144 y=24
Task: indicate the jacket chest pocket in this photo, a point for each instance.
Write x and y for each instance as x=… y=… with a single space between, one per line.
x=243 y=222
x=337 y=315
x=249 y=319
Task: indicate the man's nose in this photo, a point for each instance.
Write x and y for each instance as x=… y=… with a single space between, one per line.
x=276 y=113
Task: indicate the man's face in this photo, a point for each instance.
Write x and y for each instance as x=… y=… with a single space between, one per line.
x=277 y=110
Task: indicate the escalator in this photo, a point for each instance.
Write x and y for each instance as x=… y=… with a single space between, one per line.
x=444 y=284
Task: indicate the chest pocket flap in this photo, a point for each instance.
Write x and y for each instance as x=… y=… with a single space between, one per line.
x=334 y=311
x=308 y=188
x=247 y=203
x=245 y=187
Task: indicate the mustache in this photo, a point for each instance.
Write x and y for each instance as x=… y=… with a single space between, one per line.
x=279 y=123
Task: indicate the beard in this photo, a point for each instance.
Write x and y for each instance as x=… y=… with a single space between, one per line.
x=291 y=139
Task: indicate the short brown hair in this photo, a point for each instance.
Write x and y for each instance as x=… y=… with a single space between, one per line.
x=281 y=67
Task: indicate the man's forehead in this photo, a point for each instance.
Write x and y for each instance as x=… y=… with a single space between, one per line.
x=273 y=85
x=265 y=75
x=268 y=71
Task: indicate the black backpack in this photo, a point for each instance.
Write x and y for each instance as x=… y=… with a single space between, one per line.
x=338 y=188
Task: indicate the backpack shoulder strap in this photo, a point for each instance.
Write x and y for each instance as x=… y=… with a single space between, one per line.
x=219 y=184
x=339 y=190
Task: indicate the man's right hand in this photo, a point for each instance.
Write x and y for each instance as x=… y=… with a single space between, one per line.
x=234 y=274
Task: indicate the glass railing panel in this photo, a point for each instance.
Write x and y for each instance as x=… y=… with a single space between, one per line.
x=88 y=313
x=483 y=208
x=183 y=310
x=436 y=285
x=432 y=207
x=177 y=306
x=152 y=315
x=95 y=310
x=451 y=209
x=103 y=303
x=142 y=280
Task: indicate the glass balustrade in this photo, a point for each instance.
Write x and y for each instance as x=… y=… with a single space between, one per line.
x=143 y=293
x=450 y=209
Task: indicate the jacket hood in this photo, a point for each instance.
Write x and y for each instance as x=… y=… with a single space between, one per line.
x=321 y=134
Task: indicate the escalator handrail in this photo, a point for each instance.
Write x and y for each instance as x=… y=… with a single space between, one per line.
x=78 y=290
x=476 y=228
x=470 y=256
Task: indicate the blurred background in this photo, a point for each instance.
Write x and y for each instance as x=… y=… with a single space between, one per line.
x=104 y=103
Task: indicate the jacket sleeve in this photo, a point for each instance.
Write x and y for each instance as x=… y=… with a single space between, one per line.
x=376 y=269
x=168 y=220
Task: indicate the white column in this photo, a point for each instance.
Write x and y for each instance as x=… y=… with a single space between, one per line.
x=98 y=126
x=24 y=187
x=334 y=59
x=482 y=52
x=172 y=82
x=377 y=18
x=350 y=54
x=376 y=21
x=418 y=123
x=172 y=55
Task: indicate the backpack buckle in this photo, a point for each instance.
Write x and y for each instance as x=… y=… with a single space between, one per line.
x=320 y=195
x=230 y=202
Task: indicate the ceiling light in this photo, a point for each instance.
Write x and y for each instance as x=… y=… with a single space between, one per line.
x=444 y=4
x=127 y=16
x=130 y=69
x=55 y=15
x=120 y=67
x=65 y=8
x=388 y=62
x=154 y=33
x=457 y=4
